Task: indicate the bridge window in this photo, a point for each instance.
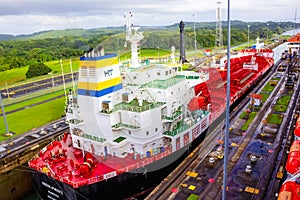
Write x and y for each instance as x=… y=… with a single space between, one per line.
x=92 y=72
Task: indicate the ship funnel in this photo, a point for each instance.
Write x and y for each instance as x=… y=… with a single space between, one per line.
x=182 y=48
x=98 y=51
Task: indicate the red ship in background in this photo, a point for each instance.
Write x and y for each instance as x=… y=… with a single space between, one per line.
x=246 y=67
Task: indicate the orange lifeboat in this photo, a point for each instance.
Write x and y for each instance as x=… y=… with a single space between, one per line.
x=293 y=162
x=196 y=103
x=290 y=190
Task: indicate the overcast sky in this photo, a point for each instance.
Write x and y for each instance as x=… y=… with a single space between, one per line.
x=28 y=16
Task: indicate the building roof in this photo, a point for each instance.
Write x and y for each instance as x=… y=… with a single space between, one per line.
x=256 y=96
x=296 y=38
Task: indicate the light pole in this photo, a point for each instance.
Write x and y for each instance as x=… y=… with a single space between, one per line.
x=195 y=39
x=52 y=79
x=3 y=114
x=248 y=33
x=267 y=31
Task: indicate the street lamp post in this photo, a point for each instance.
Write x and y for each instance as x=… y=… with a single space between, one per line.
x=52 y=79
x=195 y=40
x=3 y=114
x=248 y=33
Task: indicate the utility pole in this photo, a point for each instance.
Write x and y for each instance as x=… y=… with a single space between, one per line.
x=195 y=39
x=267 y=31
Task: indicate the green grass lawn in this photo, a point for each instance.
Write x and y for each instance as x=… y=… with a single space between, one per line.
x=264 y=97
x=56 y=68
x=193 y=197
x=274 y=119
x=284 y=100
x=243 y=115
x=268 y=88
x=12 y=76
x=249 y=121
x=147 y=53
x=280 y=108
x=34 y=117
x=277 y=79
x=186 y=66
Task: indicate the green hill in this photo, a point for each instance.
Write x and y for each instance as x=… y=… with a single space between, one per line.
x=23 y=50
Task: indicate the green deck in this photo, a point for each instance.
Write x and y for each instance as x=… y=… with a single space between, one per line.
x=120 y=125
x=135 y=107
x=174 y=115
x=95 y=138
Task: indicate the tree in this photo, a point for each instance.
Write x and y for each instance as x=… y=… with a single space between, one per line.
x=37 y=69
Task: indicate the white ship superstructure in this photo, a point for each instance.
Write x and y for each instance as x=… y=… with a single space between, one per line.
x=141 y=109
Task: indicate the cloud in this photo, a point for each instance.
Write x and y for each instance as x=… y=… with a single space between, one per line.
x=19 y=16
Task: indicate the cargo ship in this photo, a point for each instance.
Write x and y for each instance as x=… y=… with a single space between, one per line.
x=132 y=124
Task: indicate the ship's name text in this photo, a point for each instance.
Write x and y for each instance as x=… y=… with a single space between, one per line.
x=109 y=175
x=53 y=189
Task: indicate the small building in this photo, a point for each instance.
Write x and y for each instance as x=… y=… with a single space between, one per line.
x=255 y=99
x=294 y=44
x=207 y=52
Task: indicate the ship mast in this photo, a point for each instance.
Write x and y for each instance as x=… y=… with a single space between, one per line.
x=134 y=37
x=219 y=32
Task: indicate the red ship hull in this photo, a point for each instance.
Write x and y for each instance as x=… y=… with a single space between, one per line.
x=126 y=184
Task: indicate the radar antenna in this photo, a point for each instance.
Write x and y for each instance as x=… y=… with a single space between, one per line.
x=134 y=37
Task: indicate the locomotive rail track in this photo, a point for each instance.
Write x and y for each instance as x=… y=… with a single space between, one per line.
x=27 y=88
